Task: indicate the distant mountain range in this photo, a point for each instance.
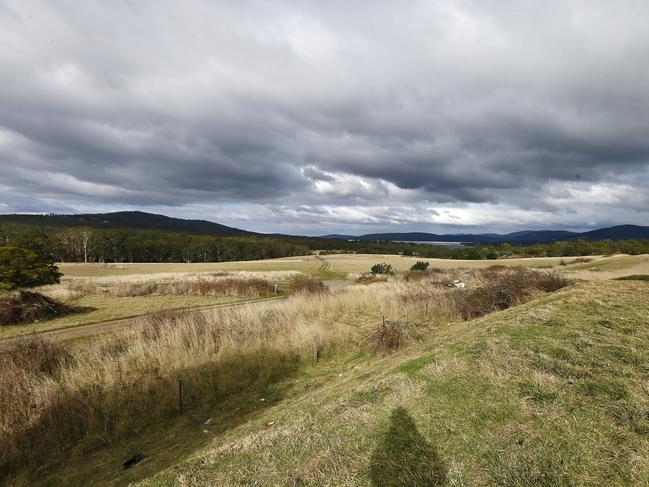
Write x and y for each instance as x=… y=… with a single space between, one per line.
x=150 y=221
x=620 y=232
x=126 y=219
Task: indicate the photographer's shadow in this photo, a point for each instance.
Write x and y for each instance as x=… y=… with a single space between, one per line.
x=404 y=458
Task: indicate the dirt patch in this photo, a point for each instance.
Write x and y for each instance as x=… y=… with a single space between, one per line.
x=335 y=284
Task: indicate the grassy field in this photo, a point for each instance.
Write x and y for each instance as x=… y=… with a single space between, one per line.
x=320 y=266
x=611 y=267
x=354 y=263
x=306 y=264
x=339 y=265
x=551 y=392
x=102 y=307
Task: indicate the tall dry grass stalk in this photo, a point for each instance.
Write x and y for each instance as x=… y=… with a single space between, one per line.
x=76 y=287
x=112 y=387
x=85 y=397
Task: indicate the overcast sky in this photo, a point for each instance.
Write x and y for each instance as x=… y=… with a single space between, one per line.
x=315 y=117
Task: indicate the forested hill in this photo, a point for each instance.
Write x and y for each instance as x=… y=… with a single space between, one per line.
x=142 y=237
x=125 y=219
x=620 y=232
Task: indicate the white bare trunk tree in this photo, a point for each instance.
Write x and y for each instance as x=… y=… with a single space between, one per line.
x=84 y=238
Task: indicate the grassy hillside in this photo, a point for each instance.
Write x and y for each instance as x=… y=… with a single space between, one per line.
x=552 y=392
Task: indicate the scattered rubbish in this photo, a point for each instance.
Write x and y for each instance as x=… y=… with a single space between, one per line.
x=209 y=421
x=134 y=460
x=262 y=399
x=269 y=424
x=460 y=284
x=205 y=431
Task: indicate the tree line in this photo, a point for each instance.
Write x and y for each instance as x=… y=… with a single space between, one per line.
x=85 y=244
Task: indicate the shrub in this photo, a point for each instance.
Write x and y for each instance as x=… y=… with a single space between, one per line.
x=420 y=265
x=381 y=268
x=502 y=290
x=306 y=285
x=389 y=336
x=21 y=268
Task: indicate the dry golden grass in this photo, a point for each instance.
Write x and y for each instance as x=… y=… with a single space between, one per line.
x=341 y=263
x=104 y=391
x=74 y=287
x=117 y=297
x=111 y=387
x=307 y=264
x=358 y=263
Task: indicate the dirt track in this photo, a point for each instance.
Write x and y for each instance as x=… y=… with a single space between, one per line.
x=81 y=331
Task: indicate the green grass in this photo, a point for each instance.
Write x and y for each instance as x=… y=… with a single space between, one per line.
x=612 y=263
x=549 y=393
x=634 y=277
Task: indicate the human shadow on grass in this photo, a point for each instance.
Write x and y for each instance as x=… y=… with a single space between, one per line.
x=404 y=458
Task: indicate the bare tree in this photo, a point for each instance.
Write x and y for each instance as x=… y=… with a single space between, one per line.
x=76 y=241
x=84 y=238
x=69 y=241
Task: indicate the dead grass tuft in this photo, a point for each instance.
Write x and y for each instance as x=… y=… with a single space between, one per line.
x=389 y=336
x=34 y=356
x=305 y=285
x=253 y=287
x=368 y=278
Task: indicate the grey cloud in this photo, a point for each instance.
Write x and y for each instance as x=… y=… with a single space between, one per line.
x=390 y=109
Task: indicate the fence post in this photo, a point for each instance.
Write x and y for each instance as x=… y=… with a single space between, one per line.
x=180 y=396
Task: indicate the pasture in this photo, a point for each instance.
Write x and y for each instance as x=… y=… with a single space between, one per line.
x=545 y=388
x=92 y=286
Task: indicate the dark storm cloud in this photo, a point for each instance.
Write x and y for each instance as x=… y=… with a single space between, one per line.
x=354 y=113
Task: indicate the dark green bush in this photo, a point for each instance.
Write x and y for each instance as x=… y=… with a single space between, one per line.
x=420 y=265
x=381 y=268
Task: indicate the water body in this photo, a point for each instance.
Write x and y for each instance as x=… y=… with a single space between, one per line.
x=442 y=244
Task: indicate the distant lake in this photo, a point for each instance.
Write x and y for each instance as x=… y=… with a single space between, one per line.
x=443 y=244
